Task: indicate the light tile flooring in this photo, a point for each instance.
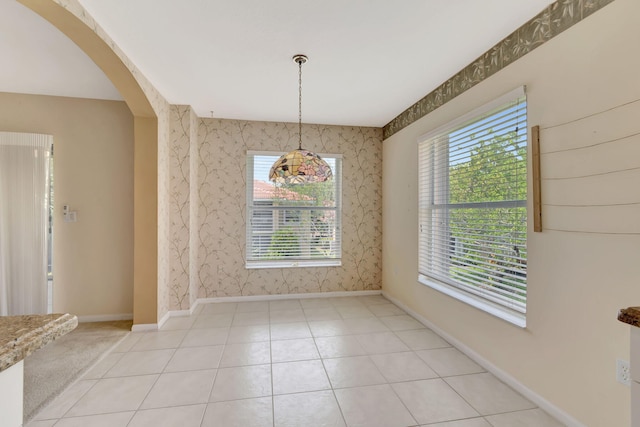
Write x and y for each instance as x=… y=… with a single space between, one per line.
x=333 y=362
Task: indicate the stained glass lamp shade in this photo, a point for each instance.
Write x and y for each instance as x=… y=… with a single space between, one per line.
x=300 y=166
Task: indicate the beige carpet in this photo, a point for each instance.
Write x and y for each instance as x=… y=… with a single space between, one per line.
x=48 y=371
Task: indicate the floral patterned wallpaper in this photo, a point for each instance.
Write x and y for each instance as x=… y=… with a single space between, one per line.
x=194 y=207
x=222 y=198
x=180 y=209
x=183 y=245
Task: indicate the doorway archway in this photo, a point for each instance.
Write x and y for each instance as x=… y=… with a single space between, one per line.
x=145 y=263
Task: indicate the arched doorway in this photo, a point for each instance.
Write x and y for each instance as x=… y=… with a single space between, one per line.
x=145 y=280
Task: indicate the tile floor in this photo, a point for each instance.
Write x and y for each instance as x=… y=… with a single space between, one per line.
x=332 y=362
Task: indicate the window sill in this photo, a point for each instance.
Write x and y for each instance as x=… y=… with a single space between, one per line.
x=513 y=317
x=293 y=264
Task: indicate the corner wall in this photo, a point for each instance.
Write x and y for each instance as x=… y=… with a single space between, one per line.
x=584 y=266
x=93 y=173
x=183 y=178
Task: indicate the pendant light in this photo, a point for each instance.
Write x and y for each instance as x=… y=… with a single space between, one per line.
x=300 y=166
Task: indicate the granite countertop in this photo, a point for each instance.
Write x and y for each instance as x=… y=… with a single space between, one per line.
x=22 y=335
x=630 y=315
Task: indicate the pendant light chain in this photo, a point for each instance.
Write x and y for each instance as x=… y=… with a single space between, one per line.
x=300 y=61
x=300 y=166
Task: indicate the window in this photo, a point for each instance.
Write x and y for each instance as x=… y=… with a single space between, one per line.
x=294 y=225
x=473 y=208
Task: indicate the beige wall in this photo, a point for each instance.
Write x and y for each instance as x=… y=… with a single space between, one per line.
x=151 y=204
x=578 y=277
x=93 y=173
x=145 y=220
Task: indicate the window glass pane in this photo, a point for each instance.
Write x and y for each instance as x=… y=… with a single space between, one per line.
x=473 y=216
x=291 y=222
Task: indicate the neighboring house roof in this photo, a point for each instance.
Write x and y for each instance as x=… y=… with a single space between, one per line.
x=266 y=191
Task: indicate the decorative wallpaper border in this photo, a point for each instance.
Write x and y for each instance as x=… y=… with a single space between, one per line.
x=553 y=20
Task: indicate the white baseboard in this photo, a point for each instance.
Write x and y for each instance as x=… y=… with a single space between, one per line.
x=250 y=298
x=104 y=317
x=503 y=376
x=164 y=319
x=180 y=313
x=144 y=327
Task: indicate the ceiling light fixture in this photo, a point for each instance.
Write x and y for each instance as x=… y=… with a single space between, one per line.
x=300 y=166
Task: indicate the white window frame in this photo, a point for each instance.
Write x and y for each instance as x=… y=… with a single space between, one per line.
x=279 y=215
x=439 y=182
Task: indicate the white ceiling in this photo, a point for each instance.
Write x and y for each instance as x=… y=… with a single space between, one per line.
x=36 y=58
x=368 y=59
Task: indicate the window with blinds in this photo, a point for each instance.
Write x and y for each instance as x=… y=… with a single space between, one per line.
x=473 y=208
x=292 y=225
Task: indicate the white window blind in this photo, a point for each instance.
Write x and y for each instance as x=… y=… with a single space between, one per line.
x=473 y=214
x=292 y=225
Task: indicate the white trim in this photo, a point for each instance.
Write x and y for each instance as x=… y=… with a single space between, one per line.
x=435 y=242
x=164 y=319
x=293 y=264
x=504 y=313
x=503 y=376
x=180 y=313
x=195 y=305
x=250 y=298
x=144 y=327
x=157 y=326
x=260 y=261
x=174 y=313
x=104 y=317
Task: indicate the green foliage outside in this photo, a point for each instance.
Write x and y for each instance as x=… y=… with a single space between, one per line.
x=318 y=224
x=317 y=194
x=484 y=236
x=490 y=172
x=284 y=243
